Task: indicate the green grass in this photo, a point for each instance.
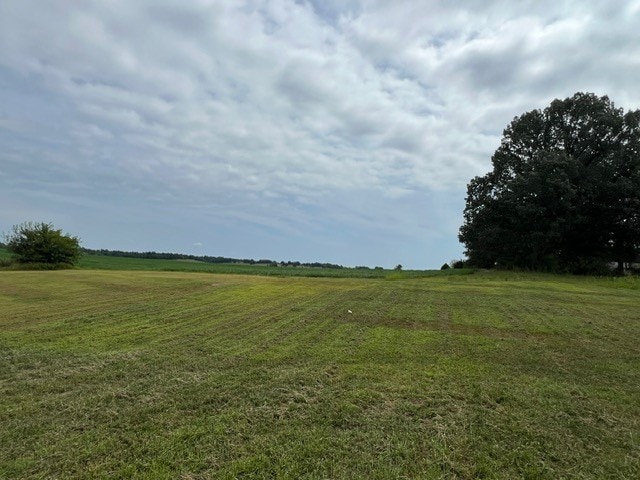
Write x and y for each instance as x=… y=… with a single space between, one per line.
x=142 y=374
x=103 y=262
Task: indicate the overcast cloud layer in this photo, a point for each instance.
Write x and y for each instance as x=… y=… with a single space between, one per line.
x=341 y=131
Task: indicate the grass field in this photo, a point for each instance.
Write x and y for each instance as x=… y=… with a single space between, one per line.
x=102 y=262
x=143 y=374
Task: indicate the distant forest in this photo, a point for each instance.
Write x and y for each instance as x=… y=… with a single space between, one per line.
x=204 y=258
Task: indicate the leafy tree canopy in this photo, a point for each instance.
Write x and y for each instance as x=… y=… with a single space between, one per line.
x=42 y=243
x=564 y=192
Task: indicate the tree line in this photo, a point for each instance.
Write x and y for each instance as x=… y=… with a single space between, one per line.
x=205 y=258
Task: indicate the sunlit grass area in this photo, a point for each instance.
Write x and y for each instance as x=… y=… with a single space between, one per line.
x=145 y=374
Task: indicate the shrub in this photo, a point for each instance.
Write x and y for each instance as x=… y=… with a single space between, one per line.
x=42 y=244
x=5 y=262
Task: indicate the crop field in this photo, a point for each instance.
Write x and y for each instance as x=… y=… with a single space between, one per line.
x=106 y=262
x=103 y=262
x=155 y=374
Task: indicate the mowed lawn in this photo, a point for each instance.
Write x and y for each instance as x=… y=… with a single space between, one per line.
x=123 y=374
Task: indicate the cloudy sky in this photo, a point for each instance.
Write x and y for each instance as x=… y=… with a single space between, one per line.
x=312 y=130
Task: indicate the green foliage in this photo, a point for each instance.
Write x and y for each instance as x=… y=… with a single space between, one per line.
x=5 y=262
x=445 y=266
x=40 y=245
x=458 y=264
x=5 y=258
x=564 y=192
x=398 y=267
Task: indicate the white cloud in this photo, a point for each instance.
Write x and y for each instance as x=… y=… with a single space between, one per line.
x=269 y=108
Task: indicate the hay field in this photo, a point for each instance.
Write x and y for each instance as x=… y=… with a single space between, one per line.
x=143 y=374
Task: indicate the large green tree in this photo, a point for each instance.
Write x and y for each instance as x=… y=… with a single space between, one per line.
x=564 y=192
x=42 y=243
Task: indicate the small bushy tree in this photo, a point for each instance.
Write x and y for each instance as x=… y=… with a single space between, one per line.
x=42 y=243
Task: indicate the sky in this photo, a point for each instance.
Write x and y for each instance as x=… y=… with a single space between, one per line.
x=330 y=131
